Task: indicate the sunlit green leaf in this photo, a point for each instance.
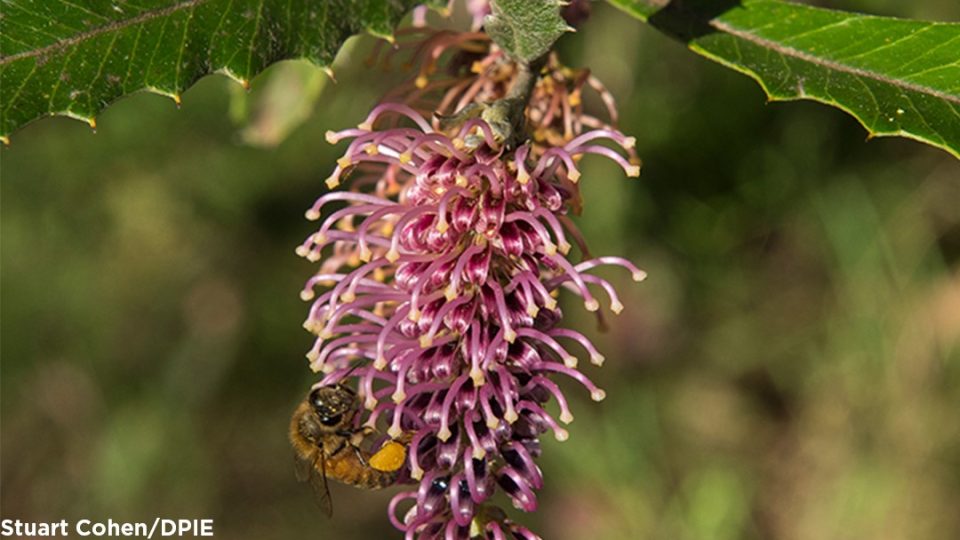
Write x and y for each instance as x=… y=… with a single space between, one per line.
x=74 y=58
x=897 y=77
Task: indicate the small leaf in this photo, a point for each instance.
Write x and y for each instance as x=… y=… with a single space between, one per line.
x=897 y=77
x=74 y=58
x=525 y=29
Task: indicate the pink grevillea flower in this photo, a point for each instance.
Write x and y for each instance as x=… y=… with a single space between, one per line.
x=477 y=71
x=478 y=9
x=443 y=266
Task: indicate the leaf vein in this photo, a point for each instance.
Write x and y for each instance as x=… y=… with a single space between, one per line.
x=830 y=64
x=109 y=27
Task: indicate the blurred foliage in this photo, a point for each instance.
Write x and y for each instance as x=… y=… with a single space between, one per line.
x=790 y=370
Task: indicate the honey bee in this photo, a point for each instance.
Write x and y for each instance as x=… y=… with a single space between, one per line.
x=327 y=445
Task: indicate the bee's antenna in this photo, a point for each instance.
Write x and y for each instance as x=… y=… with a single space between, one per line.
x=334 y=378
x=351 y=370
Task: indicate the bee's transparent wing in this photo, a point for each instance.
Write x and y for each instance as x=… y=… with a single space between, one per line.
x=306 y=470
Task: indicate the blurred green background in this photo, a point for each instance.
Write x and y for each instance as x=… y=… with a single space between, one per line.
x=790 y=370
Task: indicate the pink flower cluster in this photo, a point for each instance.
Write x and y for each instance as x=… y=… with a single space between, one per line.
x=444 y=273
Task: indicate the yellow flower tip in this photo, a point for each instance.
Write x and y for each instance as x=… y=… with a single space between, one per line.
x=312 y=214
x=616 y=307
x=371 y=149
x=393 y=432
x=639 y=275
x=380 y=363
x=550 y=249
x=426 y=341
x=478 y=378
x=312 y=356
x=450 y=294
x=574 y=176
x=564 y=247
x=421 y=81
x=561 y=434
x=416 y=473
x=460 y=180
x=574 y=99
x=399 y=396
x=349 y=296
x=319 y=238
x=479 y=452
x=566 y=417
x=405 y=157
x=302 y=251
x=344 y=162
x=523 y=177
x=331 y=136
x=511 y=416
x=414 y=315
x=493 y=423
x=633 y=171
x=370 y=403
x=444 y=434
x=550 y=303
x=327 y=369
x=442 y=226
x=332 y=182
x=591 y=304
x=598 y=395
x=597 y=359
x=313 y=256
x=307 y=325
x=533 y=310
x=629 y=142
x=476 y=67
x=509 y=335
x=392 y=255
x=458 y=143
x=365 y=254
x=571 y=362
x=366 y=126
x=325 y=334
x=306 y=295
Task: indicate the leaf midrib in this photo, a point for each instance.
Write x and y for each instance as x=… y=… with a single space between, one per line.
x=113 y=26
x=830 y=64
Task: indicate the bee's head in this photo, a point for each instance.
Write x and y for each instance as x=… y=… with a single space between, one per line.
x=332 y=402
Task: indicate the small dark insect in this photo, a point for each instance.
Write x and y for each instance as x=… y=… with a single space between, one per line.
x=327 y=445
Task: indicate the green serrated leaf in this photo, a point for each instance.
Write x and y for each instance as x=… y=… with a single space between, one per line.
x=897 y=77
x=525 y=29
x=74 y=58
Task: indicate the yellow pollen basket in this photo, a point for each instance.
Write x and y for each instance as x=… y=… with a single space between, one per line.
x=390 y=457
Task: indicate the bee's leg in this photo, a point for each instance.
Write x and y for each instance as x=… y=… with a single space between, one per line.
x=338 y=449
x=354 y=438
x=359 y=435
x=359 y=453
